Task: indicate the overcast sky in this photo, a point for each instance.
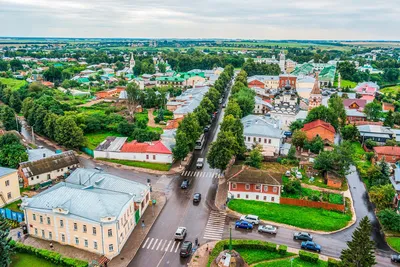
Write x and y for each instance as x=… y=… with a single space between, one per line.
x=254 y=19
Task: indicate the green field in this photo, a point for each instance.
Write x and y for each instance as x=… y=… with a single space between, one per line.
x=140 y=164
x=392 y=89
x=13 y=84
x=252 y=256
x=394 y=242
x=303 y=217
x=297 y=262
x=25 y=260
x=346 y=83
x=94 y=139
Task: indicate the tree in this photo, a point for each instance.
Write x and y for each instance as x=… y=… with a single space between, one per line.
x=203 y=117
x=323 y=113
x=347 y=70
x=335 y=104
x=382 y=196
x=67 y=133
x=50 y=124
x=315 y=145
x=3 y=65
x=391 y=142
x=389 y=120
x=181 y=148
x=162 y=67
x=350 y=132
x=27 y=104
x=245 y=99
x=15 y=101
x=235 y=126
x=8 y=119
x=207 y=105
x=214 y=96
x=12 y=154
x=373 y=110
x=222 y=150
x=389 y=219
x=190 y=126
x=15 y=65
x=296 y=125
x=255 y=158
x=360 y=251
x=292 y=153
x=6 y=249
x=133 y=93
x=233 y=109
x=338 y=160
x=299 y=138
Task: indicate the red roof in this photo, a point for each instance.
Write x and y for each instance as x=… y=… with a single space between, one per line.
x=152 y=147
x=368 y=97
x=388 y=150
x=318 y=123
x=360 y=102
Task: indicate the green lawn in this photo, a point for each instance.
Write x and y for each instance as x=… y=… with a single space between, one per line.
x=94 y=139
x=346 y=83
x=14 y=205
x=297 y=262
x=303 y=217
x=25 y=260
x=320 y=182
x=140 y=164
x=14 y=84
x=394 y=242
x=392 y=89
x=252 y=256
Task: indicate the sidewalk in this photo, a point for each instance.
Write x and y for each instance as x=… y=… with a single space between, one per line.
x=139 y=234
x=222 y=193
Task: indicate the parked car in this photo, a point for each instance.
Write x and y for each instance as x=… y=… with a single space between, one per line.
x=269 y=229
x=299 y=175
x=224 y=106
x=207 y=128
x=243 y=224
x=186 y=249
x=395 y=258
x=180 y=233
x=311 y=246
x=200 y=163
x=98 y=168
x=250 y=218
x=302 y=236
x=185 y=184
x=196 y=198
x=288 y=174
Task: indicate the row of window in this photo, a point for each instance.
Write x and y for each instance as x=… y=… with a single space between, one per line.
x=148 y=157
x=259 y=140
x=257 y=197
x=256 y=187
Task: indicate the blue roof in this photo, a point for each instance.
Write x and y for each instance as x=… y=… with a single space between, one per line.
x=6 y=171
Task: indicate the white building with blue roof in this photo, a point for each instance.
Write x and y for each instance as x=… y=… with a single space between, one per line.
x=91 y=210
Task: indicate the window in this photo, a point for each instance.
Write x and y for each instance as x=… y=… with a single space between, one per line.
x=259 y=140
x=265 y=198
x=63 y=238
x=247 y=187
x=48 y=220
x=257 y=186
x=147 y=156
x=50 y=235
x=154 y=157
x=9 y=195
x=84 y=229
x=75 y=227
x=36 y=232
x=254 y=139
x=247 y=196
x=41 y=219
x=32 y=178
x=248 y=138
x=265 y=140
x=275 y=189
x=61 y=223
x=110 y=248
x=269 y=141
x=257 y=197
x=273 y=199
x=94 y=230
x=37 y=177
x=62 y=169
x=34 y=217
x=86 y=243
x=94 y=244
x=76 y=241
x=238 y=195
x=43 y=234
x=109 y=232
x=233 y=185
x=7 y=182
x=265 y=188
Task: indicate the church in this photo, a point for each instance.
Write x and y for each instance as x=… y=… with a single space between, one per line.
x=286 y=106
x=315 y=99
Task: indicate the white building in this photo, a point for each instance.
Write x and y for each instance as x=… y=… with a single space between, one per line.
x=261 y=106
x=285 y=107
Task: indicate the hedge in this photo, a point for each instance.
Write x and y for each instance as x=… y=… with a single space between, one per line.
x=334 y=263
x=307 y=256
x=48 y=255
x=282 y=249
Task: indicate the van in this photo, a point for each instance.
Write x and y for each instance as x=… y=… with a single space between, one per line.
x=200 y=163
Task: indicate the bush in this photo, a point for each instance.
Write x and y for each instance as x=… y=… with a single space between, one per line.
x=370 y=144
x=282 y=249
x=369 y=155
x=307 y=256
x=156 y=119
x=389 y=219
x=334 y=263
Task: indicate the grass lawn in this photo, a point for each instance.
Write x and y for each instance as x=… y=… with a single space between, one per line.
x=320 y=182
x=394 y=242
x=24 y=260
x=392 y=89
x=297 y=262
x=14 y=205
x=14 y=84
x=346 y=83
x=94 y=139
x=303 y=217
x=140 y=164
x=252 y=256
x=359 y=157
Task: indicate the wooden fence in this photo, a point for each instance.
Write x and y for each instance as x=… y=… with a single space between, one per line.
x=311 y=204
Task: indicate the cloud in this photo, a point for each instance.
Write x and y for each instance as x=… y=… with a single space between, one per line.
x=255 y=19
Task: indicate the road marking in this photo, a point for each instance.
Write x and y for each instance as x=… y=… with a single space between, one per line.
x=159 y=244
x=145 y=242
x=215 y=225
x=162 y=248
x=169 y=243
x=177 y=246
x=151 y=241
x=154 y=244
x=172 y=247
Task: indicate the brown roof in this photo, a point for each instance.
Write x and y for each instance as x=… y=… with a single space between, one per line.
x=55 y=162
x=388 y=150
x=318 y=123
x=245 y=174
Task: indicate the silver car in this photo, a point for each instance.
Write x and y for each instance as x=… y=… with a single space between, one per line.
x=269 y=229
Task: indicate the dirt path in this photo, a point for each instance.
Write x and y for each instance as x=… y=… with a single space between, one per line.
x=151 y=122
x=91 y=103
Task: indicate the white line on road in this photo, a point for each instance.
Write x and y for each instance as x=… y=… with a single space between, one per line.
x=154 y=244
x=176 y=250
x=172 y=247
x=145 y=242
x=169 y=243
x=151 y=241
x=165 y=242
x=159 y=244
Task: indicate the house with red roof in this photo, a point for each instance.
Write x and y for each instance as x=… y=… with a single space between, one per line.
x=357 y=104
x=367 y=88
x=320 y=128
x=390 y=153
x=118 y=148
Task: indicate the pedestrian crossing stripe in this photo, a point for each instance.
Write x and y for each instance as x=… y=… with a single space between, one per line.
x=156 y=244
x=215 y=225
x=199 y=174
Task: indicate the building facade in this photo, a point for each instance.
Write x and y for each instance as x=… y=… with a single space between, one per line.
x=286 y=107
x=315 y=99
x=320 y=128
x=391 y=154
x=9 y=186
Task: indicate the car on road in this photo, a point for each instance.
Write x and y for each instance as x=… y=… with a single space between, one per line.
x=196 y=198
x=180 y=233
x=309 y=245
x=224 y=106
x=243 y=224
x=200 y=163
x=395 y=258
x=302 y=236
x=186 y=249
x=207 y=128
x=250 y=218
x=185 y=184
x=269 y=229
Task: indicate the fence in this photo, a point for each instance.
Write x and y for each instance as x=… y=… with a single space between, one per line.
x=12 y=215
x=87 y=151
x=312 y=204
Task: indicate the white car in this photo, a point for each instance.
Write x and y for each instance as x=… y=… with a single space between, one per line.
x=250 y=218
x=288 y=174
x=269 y=229
x=180 y=233
x=299 y=175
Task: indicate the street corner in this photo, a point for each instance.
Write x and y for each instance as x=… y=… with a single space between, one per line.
x=202 y=254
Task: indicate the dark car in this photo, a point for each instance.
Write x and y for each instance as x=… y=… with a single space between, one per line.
x=207 y=128
x=302 y=236
x=185 y=184
x=196 y=198
x=243 y=224
x=311 y=246
x=186 y=249
x=395 y=258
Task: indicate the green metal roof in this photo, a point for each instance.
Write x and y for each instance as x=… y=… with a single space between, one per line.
x=83 y=80
x=327 y=73
x=303 y=69
x=170 y=79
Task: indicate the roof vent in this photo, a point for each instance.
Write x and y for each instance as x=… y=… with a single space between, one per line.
x=99 y=181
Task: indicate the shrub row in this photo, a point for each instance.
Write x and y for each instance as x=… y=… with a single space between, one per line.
x=282 y=249
x=51 y=256
x=334 y=263
x=308 y=256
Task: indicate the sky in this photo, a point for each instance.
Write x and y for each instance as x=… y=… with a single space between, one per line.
x=251 y=19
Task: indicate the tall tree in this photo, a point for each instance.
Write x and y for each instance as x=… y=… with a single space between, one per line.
x=235 y=126
x=222 y=150
x=233 y=109
x=299 y=138
x=8 y=119
x=190 y=126
x=6 y=250
x=181 y=148
x=336 y=106
x=360 y=251
x=373 y=110
x=67 y=133
x=389 y=120
x=254 y=158
x=382 y=196
x=133 y=92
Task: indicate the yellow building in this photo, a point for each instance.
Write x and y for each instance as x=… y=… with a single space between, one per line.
x=9 y=186
x=92 y=210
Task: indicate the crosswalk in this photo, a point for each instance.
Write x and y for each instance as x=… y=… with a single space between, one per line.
x=211 y=174
x=215 y=225
x=156 y=244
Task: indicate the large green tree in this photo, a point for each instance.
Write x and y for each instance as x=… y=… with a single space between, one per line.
x=360 y=251
x=335 y=104
x=6 y=249
x=382 y=196
x=222 y=150
x=233 y=109
x=235 y=126
x=8 y=119
x=255 y=158
x=323 y=113
x=133 y=93
x=181 y=148
x=190 y=126
x=67 y=133
x=373 y=110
